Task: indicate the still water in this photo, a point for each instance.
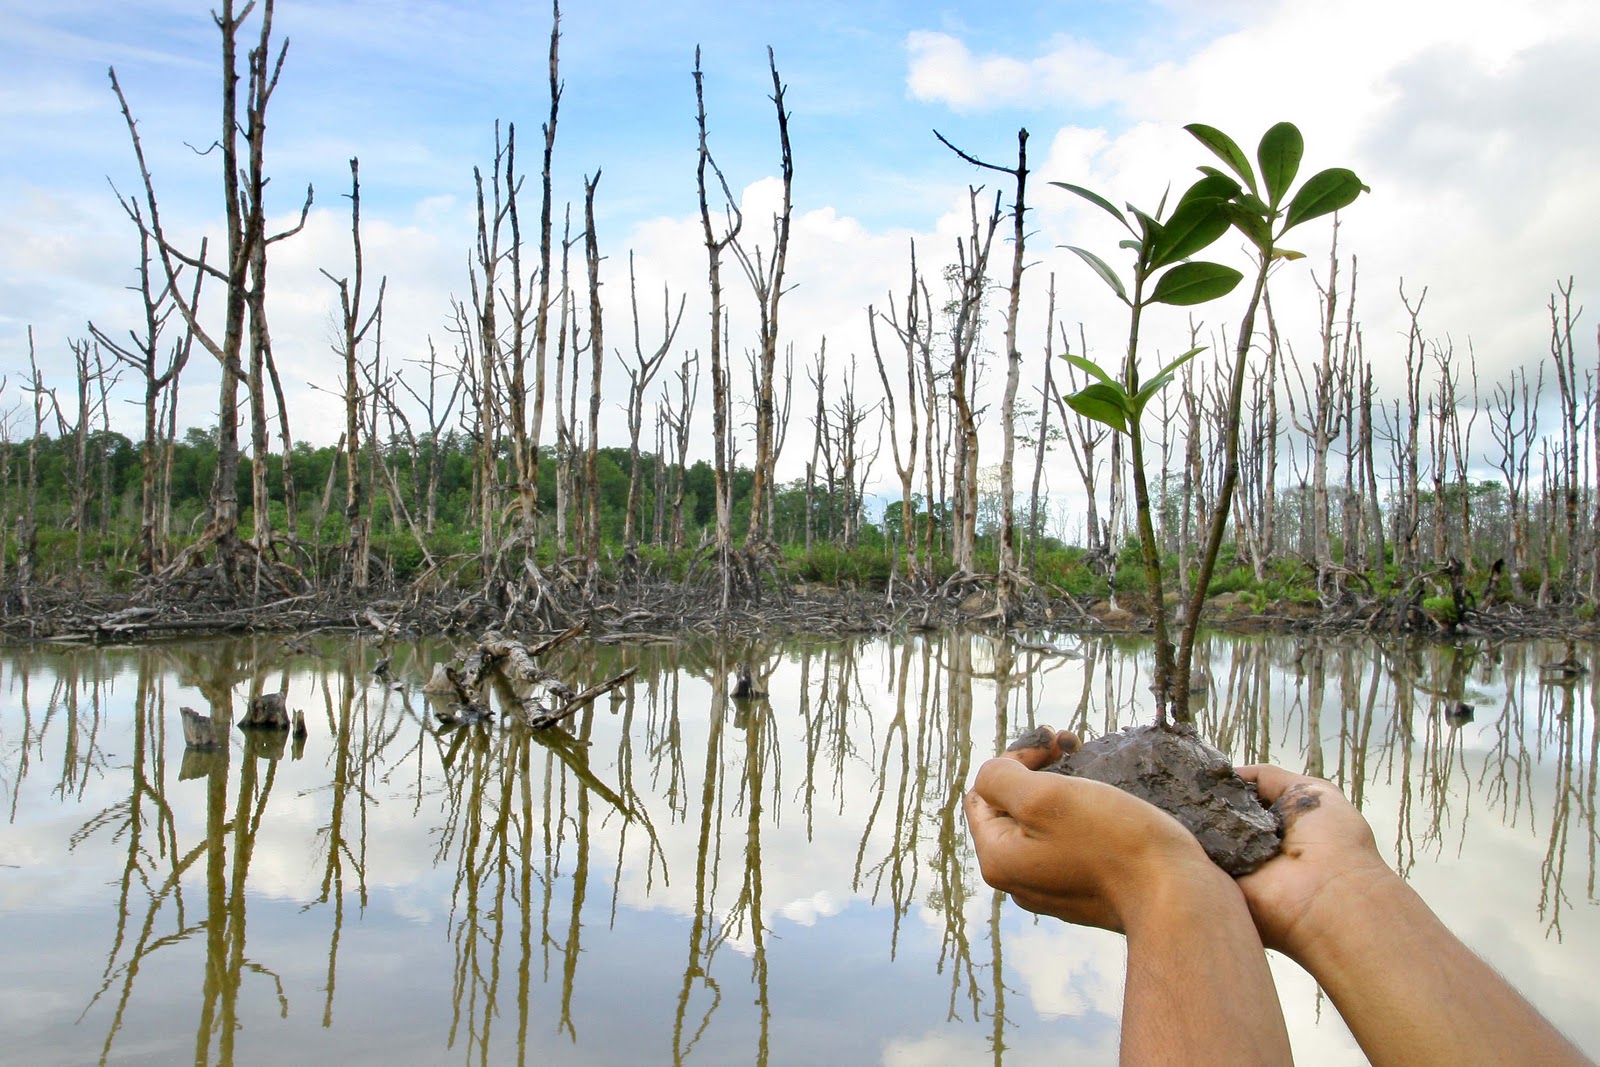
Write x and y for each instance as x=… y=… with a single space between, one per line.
x=682 y=878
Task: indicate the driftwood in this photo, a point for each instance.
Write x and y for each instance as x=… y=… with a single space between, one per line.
x=541 y=698
x=267 y=712
x=546 y=720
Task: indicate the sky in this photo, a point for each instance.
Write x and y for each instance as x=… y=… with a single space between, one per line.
x=1474 y=124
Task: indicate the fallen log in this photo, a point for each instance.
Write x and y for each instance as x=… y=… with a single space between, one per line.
x=579 y=700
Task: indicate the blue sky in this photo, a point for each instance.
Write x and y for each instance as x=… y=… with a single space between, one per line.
x=1473 y=122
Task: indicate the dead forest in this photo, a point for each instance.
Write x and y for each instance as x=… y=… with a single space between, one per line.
x=471 y=488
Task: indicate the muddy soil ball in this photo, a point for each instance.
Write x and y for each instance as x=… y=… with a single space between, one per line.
x=1172 y=768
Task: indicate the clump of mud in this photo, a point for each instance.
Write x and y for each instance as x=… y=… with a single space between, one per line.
x=1172 y=768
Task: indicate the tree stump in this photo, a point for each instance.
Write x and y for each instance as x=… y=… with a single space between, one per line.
x=267 y=712
x=200 y=731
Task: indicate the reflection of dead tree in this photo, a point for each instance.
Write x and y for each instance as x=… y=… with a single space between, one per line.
x=702 y=946
x=350 y=773
x=951 y=868
x=899 y=864
x=1553 y=868
x=146 y=803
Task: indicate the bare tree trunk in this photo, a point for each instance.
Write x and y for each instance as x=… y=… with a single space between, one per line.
x=591 y=245
x=353 y=332
x=916 y=331
x=720 y=430
x=971 y=279
x=243 y=187
x=541 y=321
x=766 y=280
x=1563 y=355
x=1041 y=442
x=688 y=390
x=639 y=378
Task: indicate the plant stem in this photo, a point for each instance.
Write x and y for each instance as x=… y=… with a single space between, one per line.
x=1224 y=508
x=1141 y=499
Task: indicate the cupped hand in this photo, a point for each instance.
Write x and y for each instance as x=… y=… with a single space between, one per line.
x=1082 y=851
x=1329 y=860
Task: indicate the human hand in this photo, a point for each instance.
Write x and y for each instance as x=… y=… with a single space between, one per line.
x=1329 y=858
x=1080 y=850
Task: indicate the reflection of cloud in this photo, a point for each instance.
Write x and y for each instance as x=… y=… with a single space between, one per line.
x=821 y=904
x=1068 y=971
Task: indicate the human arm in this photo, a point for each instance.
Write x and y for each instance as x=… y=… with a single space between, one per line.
x=1409 y=990
x=1198 y=986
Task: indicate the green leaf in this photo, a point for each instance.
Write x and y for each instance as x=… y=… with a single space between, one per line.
x=1103 y=269
x=1194 y=282
x=1094 y=370
x=1288 y=254
x=1224 y=148
x=1325 y=191
x=1102 y=403
x=1096 y=199
x=1214 y=186
x=1192 y=227
x=1159 y=382
x=1170 y=368
x=1149 y=227
x=1130 y=244
x=1255 y=205
x=1279 y=155
x=1252 y=225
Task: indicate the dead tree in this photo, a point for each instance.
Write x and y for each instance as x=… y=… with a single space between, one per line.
x=1574 y=412
x=915 y=334
x=1006 y=581
x=1047 y=433
x=353 y=332
x=766 y=278
x=438 y=416
x=720 y=429
x=142 y=353
x=591 y=249
x=678 y=420
x=541 y=318
x=1514 y=425
x=242 y=276
x=819 y=433
x=969 y=276
x=566 y=331
x=1083 y=437
x=484 y=278
x=1320 y=412
x=1404 y=440
x=639 y=377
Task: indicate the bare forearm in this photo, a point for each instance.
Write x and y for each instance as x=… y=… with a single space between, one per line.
x=1198 y=981
x=1412 y=993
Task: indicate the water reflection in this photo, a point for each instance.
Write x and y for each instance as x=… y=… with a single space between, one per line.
x=683 y=874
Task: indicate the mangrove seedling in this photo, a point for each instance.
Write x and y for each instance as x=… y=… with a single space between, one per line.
x=1169 y=764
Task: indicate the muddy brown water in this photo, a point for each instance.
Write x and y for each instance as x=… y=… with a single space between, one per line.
x=680 y=877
